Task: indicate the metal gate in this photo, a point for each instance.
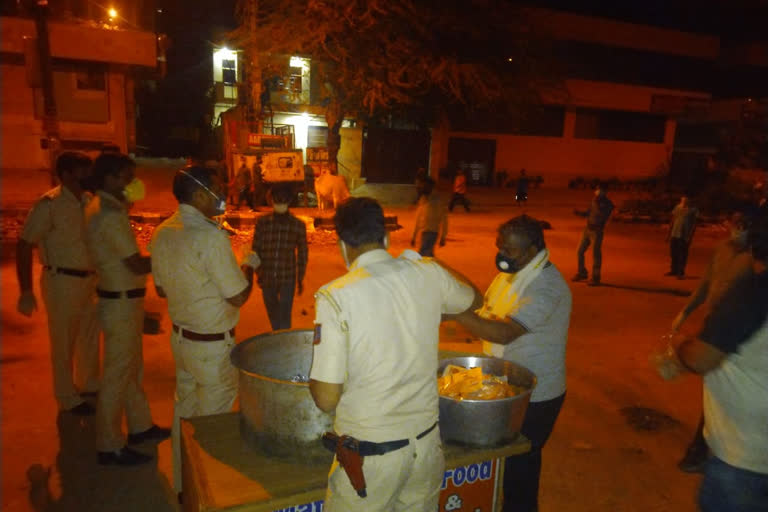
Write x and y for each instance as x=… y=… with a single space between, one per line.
x=394 y=156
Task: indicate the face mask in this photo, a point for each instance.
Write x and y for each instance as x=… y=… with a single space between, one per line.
x=507 y=265
x=221 y=203
x=134 y=191
x=280 y=207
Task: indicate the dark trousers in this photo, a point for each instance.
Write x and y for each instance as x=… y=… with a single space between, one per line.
x=245 y=195
x=592 y=237
x=428 y=240
x=522 y=472
x=278 y=300
x=678 y=252
x=458 y=198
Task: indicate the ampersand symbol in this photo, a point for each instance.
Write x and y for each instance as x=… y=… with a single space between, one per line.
x=453 y=503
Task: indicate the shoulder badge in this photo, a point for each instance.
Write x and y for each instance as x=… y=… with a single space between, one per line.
x=318 y=334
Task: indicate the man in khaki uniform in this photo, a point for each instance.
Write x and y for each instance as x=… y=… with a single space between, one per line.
x=68 y=283
x=122 y=272
x=375 y=364
x=194 y=267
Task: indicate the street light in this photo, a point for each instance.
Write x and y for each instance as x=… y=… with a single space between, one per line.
x=112 y=12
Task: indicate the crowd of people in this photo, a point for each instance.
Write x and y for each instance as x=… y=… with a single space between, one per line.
x=376 y=327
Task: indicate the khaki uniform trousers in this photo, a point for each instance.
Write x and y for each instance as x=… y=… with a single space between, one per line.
x=404 y=480
x=206 y=383
x=122 y=321
x=73 y=330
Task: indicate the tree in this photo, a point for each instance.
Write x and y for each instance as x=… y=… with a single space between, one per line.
x=376 y=55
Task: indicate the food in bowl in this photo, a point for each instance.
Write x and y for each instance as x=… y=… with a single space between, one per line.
x=462 y=383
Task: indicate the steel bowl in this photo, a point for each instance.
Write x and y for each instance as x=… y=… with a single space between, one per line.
x=277 y=412
x=486 y=422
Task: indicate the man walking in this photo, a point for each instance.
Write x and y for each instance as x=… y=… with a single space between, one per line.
x=525 y=318
x=195 y=269
x=244 y=185
x=280 y=241
x=731 y=353
x=431 y=220
x=385 y=311
x=122 y=272
x=597 y=216
x=681 y=229
x=68 y=283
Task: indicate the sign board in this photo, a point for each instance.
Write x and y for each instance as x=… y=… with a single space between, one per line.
x=318 y=154
x=671 y=104
x=265 y=141
x=470 y=488
x=275 y=165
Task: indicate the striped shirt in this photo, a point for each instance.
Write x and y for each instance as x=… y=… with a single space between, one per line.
x=280 y=240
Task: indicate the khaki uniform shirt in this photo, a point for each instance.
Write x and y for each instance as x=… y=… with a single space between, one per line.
x=193 y=262
x=110 y=240
x=377 y=333
x=55 y=224
x=432 y=215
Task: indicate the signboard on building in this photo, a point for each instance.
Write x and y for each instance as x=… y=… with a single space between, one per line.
x=265 y=141
x=674 y=105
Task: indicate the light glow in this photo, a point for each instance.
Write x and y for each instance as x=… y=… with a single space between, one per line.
x=112 y=12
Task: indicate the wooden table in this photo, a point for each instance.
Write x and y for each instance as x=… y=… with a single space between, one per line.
x=223 y=473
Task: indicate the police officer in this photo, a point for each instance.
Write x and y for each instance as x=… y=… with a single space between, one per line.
x=375 y=364
x=68 y=283
x=195 y=269
x=122 y=273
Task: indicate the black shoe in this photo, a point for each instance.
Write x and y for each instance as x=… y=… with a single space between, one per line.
x=579 y=277
x=123 y=457
x=83 y=409
x=153 y=433
x=670 y=273
x=694 y=461
x=593 y=282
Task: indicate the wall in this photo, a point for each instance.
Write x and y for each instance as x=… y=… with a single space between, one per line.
x=21 y=131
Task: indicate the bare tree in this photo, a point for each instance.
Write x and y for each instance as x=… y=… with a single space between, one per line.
x=376 y=55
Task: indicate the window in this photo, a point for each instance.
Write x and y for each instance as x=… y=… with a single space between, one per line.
x=619 y=125
x=228 y=71
x=294 y=80
x=317 y=136
x=90 y=80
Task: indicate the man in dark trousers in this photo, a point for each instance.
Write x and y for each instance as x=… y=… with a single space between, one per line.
x=280 y=240
x=597 y=216
x=681 y=229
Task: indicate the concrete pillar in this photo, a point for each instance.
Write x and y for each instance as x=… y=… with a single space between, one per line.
x=569 y=124
x=670 y=128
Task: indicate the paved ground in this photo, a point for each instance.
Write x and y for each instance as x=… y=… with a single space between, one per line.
x=598 y=459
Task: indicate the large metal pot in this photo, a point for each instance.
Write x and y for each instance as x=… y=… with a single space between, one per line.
x=277 y=413
x=486 y=422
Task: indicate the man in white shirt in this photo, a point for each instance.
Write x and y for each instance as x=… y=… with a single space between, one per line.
x=68 y=283
x=524 y=319
x=195 y=269
x=122 y=273
x=375 y=364
x=731 y=353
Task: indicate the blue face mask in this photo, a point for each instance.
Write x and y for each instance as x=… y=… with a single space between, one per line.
x=507 y=265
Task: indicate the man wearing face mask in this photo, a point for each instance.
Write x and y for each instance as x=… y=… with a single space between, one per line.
x=68 y=283
x=375 y=364
x=730 y=265
x=122 y=274
x=193 y=266
x=524 y=318
x=280 y=241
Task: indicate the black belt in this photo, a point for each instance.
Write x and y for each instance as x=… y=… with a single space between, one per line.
x=368 y=448
x=196 y=336
x=69 y=271
x=128 y=294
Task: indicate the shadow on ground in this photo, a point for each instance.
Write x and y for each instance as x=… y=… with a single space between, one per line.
x=79 y=483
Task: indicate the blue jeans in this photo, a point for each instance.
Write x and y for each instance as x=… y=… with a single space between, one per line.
x=278 y=300
x=726 y=488
x=428 y=240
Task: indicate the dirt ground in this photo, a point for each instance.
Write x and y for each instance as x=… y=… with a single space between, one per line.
x=601 y=456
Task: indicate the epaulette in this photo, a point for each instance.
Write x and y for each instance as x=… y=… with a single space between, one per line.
x=51 y=194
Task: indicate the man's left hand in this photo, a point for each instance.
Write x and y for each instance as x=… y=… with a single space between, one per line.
x=300 y=288
x=442 y=243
